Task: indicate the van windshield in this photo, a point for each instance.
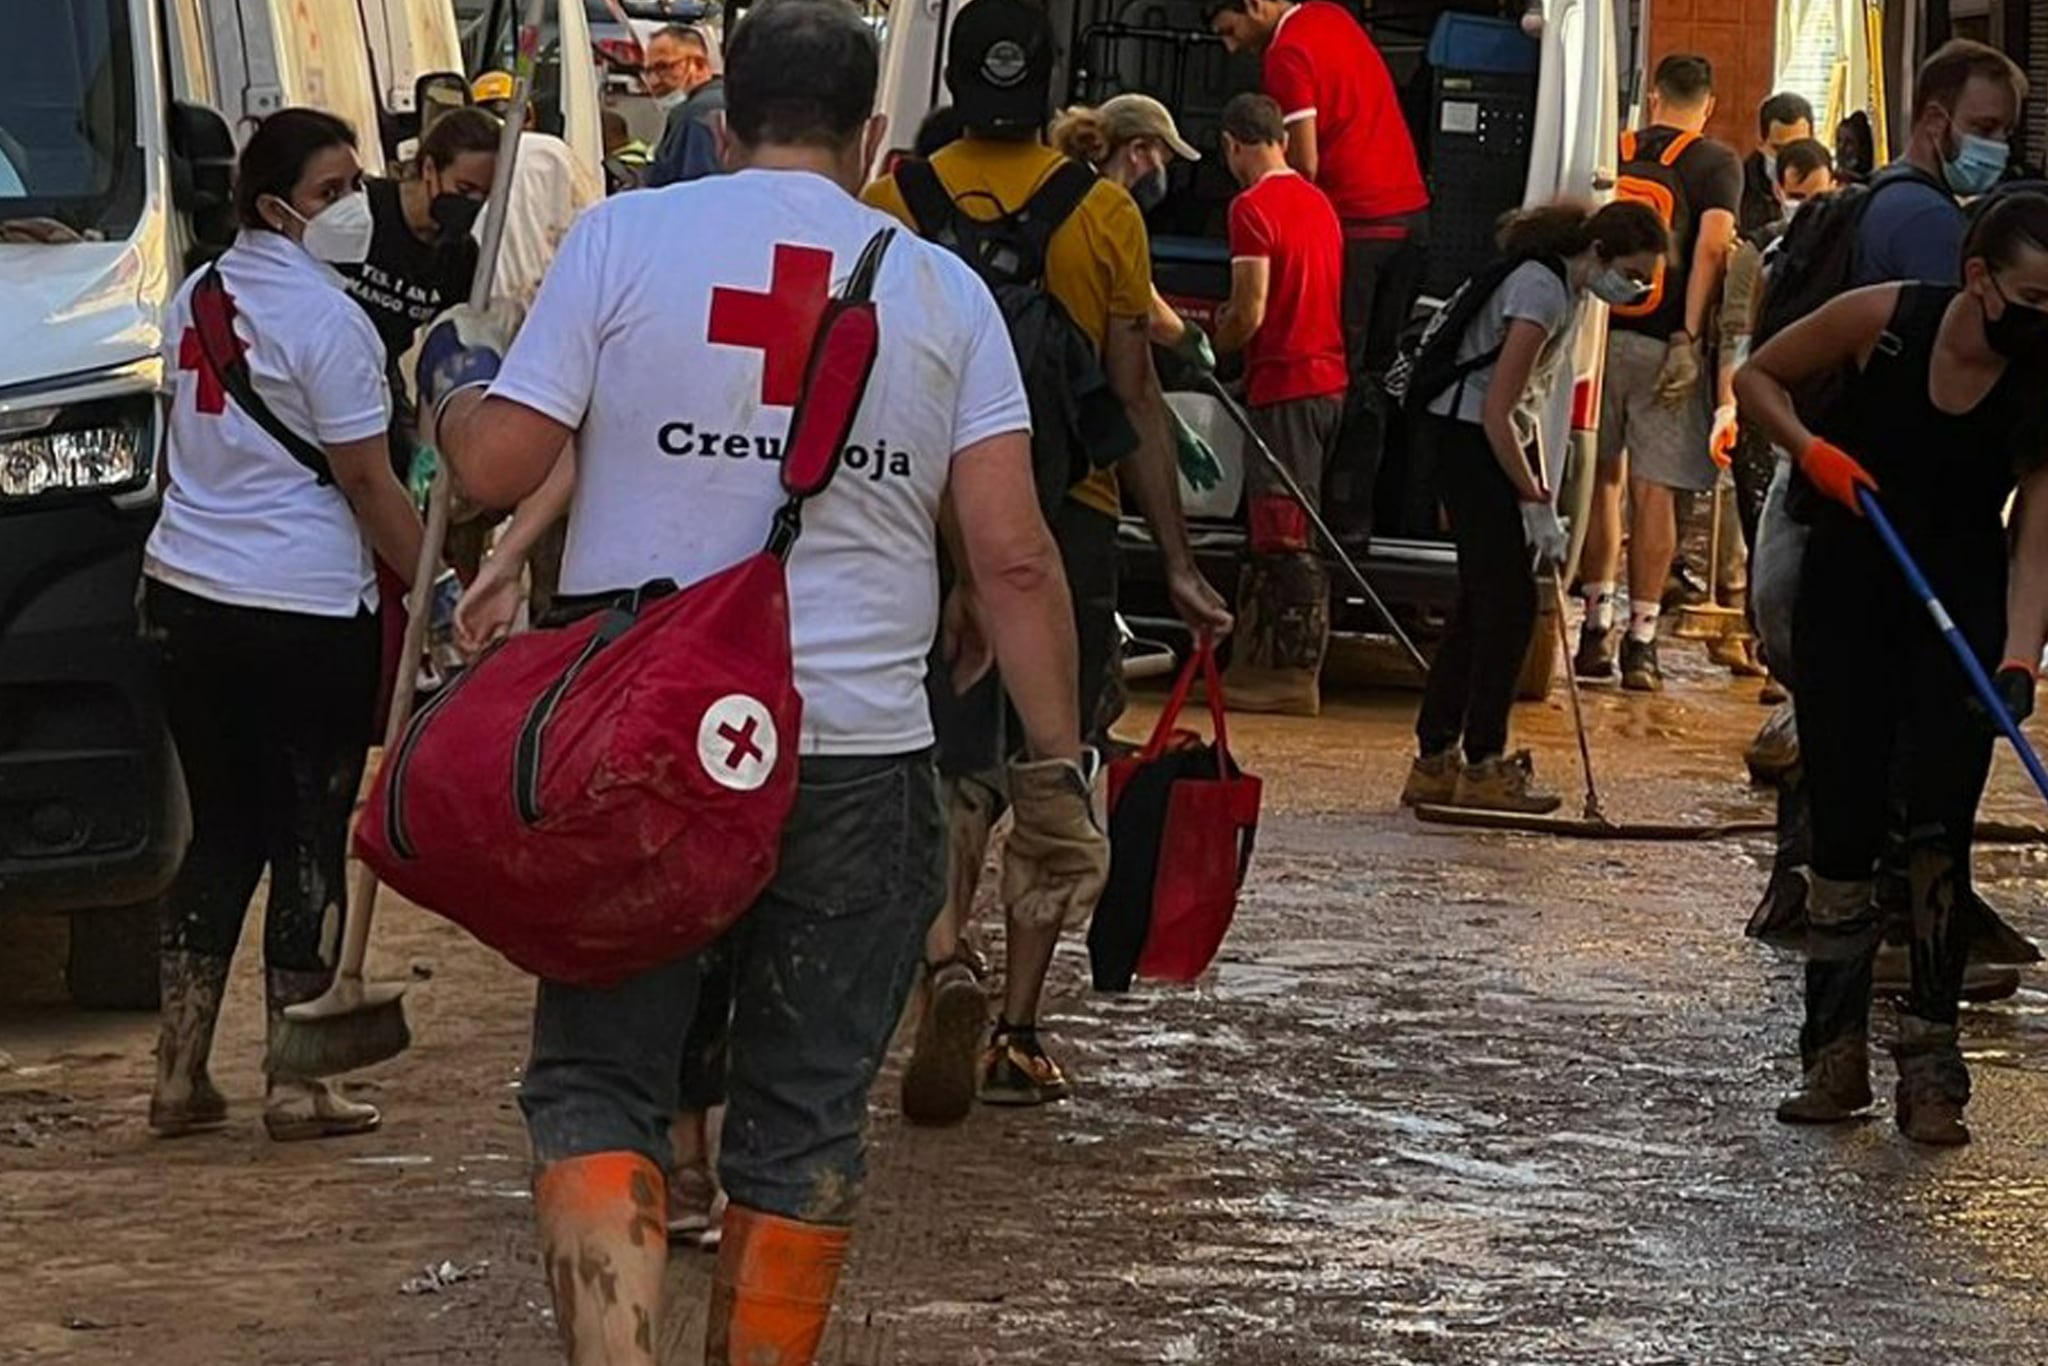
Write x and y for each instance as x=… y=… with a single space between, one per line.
x=69 y=164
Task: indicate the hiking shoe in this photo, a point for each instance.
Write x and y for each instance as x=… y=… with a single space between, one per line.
x=1736 y=655
x=1684 y=587
x=1934 y=1084
x=1640 y=671
x=1837 y=1085
x=1595 y=658
x=1016 y=1070
x=1433 y=779
x=1504 y=784
x=938 y=1086
x=1775 y=750
x=1892 y=975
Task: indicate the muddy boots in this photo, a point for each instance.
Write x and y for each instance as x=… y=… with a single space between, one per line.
x=1843 y=926
x=1433 y=779
x=605 y=1251
x=1504 y=783
x=940 y=1080
x=1934 y=1083
x=293 y=1108
x=185 y=1101
x=1836 y=1087
x=1283 y=632
x=772 y=1296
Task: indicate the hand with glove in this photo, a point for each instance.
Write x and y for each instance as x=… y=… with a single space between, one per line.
x=1197 y=459
x=462 y=349
x=1544 y=533
x=1192 y=346
x=1721 y=445
x=1679 y=376
x=1056 y=861
x=1835 y=474
x=2014 y=683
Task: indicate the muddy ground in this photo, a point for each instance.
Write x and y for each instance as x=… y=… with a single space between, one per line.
x=1448 y=1098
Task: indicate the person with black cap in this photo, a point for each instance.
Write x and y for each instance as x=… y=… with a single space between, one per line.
x=1097 y=267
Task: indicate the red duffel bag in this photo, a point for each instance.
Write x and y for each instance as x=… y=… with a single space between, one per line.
x=596 y=800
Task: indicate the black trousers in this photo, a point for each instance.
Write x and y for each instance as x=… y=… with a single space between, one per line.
x=1472 y=679
x=271 y=714
x=1384 y=266
x=1889 y=741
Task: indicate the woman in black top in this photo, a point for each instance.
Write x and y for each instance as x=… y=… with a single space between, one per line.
x=1937 y=405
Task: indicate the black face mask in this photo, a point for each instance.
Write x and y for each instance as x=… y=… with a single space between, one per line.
x=1149 y=191
x=455 y=215
x=2019 y=333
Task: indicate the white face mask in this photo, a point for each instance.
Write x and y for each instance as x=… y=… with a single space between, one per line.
x=339 y=234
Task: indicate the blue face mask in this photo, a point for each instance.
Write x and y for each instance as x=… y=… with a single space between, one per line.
x=1977 y=165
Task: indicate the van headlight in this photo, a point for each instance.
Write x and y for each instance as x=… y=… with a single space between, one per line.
x=97 y=446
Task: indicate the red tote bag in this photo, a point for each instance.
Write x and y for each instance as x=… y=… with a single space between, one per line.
x=1183 y=819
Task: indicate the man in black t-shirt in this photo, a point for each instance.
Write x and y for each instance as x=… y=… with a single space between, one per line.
x=1781 y=121
x=1654 y=410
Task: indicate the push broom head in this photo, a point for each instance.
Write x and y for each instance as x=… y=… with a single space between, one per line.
x=355 y=1025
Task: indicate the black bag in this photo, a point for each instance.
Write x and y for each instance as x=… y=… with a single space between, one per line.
x=1815 y=259
x=213 y=322
x=1077 y=422
x=1427 y=363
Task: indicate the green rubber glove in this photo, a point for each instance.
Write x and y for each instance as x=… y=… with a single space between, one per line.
x=1193 y=347
x=1198 y=463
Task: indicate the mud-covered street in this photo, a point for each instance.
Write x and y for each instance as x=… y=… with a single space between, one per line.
x=1449 y=1098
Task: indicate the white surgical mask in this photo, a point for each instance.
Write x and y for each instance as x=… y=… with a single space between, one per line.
x=1611 y=286
x=339 y=235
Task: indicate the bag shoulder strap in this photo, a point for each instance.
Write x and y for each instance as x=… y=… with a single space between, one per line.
x=1056 y=198
x=925 y=196
x=1628 y=145
x=1677 y=149
x=213 y=322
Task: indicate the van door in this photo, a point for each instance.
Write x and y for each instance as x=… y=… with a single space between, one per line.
x=582 y=84
x=267 y=54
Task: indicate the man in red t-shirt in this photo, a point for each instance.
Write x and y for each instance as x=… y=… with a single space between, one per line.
x=1345 y=132
x=1286 y=265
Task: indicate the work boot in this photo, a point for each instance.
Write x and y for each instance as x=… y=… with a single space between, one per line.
x=1892 y=975
x=1837 y=1084
x=1640 y=671
x=1282 y=634
x=605 y=1252
x=1594 y=661
x=297 y=1108
x=1934 y=1084
x=1504 y=784
x=772 y=1297
x=185 y=1101
x=1736 y=654
x=1016 y=1070
x=939 y=1083
x=1775 y=750
x=1433 y=779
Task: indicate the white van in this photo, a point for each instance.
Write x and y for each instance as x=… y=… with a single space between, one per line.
x=1550 y=128
x=118 y=124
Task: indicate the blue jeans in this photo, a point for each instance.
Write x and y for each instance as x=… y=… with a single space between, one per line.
x=821 y=967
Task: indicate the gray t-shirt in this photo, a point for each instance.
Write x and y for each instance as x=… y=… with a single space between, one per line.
x=1533 y=293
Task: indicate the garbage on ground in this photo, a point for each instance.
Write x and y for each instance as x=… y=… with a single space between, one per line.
x=433 y=1280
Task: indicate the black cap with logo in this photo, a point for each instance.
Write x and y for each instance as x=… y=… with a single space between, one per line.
x=999 y=64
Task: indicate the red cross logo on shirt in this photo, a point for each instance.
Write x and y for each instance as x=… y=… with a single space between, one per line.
x=780 y=323
x=213 y=310
x=211 y=399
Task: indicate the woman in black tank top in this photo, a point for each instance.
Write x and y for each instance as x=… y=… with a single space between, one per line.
x=1941 y=407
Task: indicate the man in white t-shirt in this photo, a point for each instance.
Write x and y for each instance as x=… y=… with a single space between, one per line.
x=678 y=385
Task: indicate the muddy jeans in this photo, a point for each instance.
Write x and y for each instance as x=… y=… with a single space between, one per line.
x=271 y=715
x=821 y=964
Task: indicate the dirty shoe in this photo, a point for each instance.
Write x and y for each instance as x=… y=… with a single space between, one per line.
x=1274 y=692
x=1775 y=750
x=938 y=1086
x=296 y=1109
x=1433 y=779
x=1640 y=670
x=1016 y=1069
x=1934 y=1084
x=1737 y=655
x=185 y=1101
x=1837 y=1085
x=1504 y=784
x=1594 y=660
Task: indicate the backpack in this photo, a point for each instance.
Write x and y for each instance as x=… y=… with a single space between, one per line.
x=1815 y=259
x=1077 y=422
x=1427 y=363
x=1655 y=183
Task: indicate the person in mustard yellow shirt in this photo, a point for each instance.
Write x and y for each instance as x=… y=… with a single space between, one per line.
x=1098 y=268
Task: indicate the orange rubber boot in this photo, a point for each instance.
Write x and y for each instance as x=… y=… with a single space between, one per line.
x=773 y=1292
x=605 y=1247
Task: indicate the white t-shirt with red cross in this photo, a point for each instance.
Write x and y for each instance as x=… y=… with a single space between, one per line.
x=672 y=331
x=243 y=522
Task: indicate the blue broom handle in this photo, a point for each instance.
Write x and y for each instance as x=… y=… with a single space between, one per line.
x=1979 y=680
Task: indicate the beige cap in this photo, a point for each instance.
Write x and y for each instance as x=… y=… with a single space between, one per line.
x=1134 y=116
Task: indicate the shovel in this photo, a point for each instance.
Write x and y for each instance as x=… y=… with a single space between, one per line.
x=356 y=1023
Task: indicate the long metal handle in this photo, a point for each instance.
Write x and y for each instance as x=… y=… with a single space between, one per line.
x=1294 y=490
x=1980 y=681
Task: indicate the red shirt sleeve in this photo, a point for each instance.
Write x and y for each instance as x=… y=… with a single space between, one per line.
x=1291 y=81
x=1251 y=235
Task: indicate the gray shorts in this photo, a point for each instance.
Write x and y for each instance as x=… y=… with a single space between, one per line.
x=1665 y=446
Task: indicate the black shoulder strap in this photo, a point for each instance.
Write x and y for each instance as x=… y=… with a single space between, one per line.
x=1055 y=200
x=212 y=315
x=924 y=194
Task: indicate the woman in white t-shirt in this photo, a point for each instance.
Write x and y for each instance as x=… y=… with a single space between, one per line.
x=1496 y=497
x=260 y=587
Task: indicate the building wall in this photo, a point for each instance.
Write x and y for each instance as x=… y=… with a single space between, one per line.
x=1737 y=37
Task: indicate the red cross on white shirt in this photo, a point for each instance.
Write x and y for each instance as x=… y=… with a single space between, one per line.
x=780 y=323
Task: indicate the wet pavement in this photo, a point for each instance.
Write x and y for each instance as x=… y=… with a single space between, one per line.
x=1448 y=1098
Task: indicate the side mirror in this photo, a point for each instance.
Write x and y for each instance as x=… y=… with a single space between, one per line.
x=203 y=172
x=435 y=94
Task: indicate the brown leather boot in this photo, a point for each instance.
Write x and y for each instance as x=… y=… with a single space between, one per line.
x=185 y=1101
x=297 y=1109
x=1934 y=1084
x=605 y=1249
x=1837 y=1085
x=772 y=1297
